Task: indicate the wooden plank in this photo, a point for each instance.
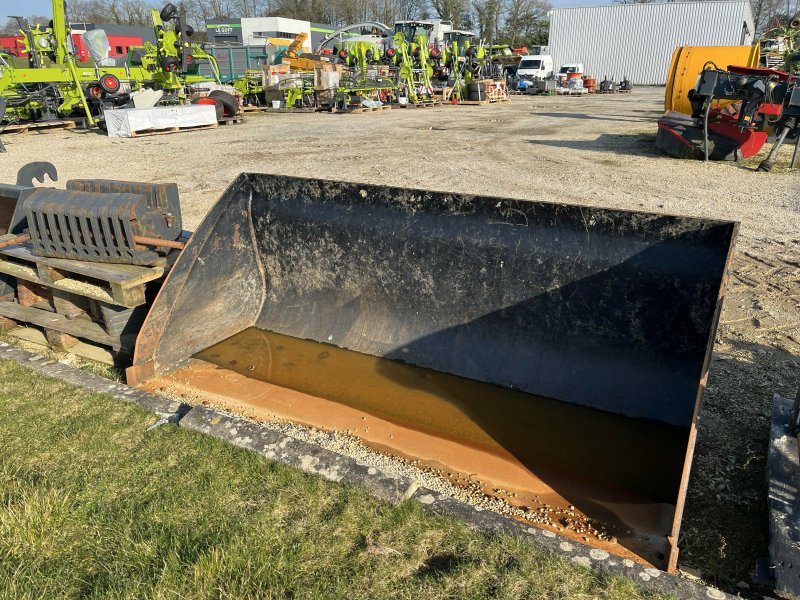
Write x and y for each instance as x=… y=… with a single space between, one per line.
x=110 y=272
x=362 y=109
x=25 y=273
x=40 y=125
x=83 y=349
x=127 y=295
x=79 y=328
x=123 y=295
x=783 y=501
x=232 y=120
x=145 y=133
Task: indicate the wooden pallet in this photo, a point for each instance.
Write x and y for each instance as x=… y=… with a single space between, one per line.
x=79 y=328
x=360 y=109
x=85 y=308
x=147 y=132
x=269 y=109
x=429 y=104
x=238 y=119
x=70 y=322
x=122 y=285
x=40 y=126
x=38 y=336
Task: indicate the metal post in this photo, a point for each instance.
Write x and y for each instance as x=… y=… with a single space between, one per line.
x=766 y=164
x=795 y=153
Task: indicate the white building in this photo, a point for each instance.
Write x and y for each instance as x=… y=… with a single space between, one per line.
x=637 y=40
x=259 y=31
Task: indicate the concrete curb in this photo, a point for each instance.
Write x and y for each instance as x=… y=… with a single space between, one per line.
x=336 y=467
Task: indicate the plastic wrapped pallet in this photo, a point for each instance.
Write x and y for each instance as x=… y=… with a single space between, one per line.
x=127 y=122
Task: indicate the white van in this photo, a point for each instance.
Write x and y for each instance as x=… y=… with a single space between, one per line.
x=571 y=68
x=535 y=66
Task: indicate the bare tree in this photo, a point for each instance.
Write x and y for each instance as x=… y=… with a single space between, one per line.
x=451 y=10
x=524 y=21
x=11 y=26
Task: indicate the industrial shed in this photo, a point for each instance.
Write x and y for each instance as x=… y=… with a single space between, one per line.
x=637 y=40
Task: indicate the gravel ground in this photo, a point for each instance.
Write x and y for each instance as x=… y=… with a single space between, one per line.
x=595 y=150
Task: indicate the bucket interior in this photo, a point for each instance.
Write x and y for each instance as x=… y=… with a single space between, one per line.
x=549 y=355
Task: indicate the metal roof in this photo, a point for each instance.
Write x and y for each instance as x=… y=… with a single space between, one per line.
x=637 y=40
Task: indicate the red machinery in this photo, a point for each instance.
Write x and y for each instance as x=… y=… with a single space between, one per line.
x=118 y=45
x=733 y=112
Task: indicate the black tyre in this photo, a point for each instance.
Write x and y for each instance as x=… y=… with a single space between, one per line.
x=230 y=103
x=476 y=87
x=168 y=12
x=185 y=30
x=94 y=90
x=169 y=64
x=207 y=100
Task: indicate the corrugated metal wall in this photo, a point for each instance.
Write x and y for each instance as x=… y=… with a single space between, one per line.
x=637 y=40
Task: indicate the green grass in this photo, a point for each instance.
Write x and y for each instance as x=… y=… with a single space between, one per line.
x=92 y=505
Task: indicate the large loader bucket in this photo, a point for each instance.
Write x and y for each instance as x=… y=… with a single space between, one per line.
x=552 y=355
x=689 y=61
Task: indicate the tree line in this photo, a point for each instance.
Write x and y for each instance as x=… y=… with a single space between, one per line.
x=515 y=22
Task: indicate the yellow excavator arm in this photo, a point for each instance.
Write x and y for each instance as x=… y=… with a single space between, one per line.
x=296 y=45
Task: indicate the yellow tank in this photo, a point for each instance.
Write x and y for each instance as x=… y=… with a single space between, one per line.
x=687 y=63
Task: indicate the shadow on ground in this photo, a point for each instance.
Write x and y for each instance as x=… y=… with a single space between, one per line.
x=652 y=116
x=640 y=144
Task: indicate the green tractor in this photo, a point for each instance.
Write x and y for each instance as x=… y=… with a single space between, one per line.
x=53 y=84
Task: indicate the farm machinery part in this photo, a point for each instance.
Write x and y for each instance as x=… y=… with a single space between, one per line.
x=780 y=45
x=558 y=352
x=787 y=127
x=251 y=87
x=53 y=84
x=502 y=61
x=688 y=61
x=294 y=91
x=369 y=73
x=92 y=220
x=385 y=32
x=732 y=113
x=413 y=58
x=13 y=194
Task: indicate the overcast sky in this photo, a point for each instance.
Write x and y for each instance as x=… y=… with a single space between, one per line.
x=42 y=7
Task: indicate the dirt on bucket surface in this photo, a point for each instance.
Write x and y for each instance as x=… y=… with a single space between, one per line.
x=594 y=150
x=602 y=479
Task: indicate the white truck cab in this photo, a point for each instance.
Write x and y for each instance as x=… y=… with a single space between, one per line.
x=535 y=66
